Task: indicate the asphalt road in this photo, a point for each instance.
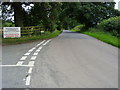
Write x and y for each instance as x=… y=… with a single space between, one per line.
x=71 y=60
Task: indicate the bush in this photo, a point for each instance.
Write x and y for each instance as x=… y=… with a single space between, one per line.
x=111 y=25
x=8 y=24
x=79 y=28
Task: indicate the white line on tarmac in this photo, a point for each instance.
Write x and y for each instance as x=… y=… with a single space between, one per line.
x=33 y=57
x=33 y=48
x=23 y=58
x=16 y=66
x=28 y=80
x=36 y=53
x=37 y=50
x=41 y=43
x=31 y=63
x=27 y=53
x=40 y=48
x=30 y=70
x=47 y=42
x=30 y=50
x=20 y=63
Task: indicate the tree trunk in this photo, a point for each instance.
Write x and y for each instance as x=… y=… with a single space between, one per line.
x=18 y=14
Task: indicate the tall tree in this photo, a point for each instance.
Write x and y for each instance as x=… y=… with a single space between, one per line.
x=17 y=9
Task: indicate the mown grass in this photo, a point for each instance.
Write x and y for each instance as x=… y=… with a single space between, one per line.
x=105 y=37
x=9 y=41
x=102 y=35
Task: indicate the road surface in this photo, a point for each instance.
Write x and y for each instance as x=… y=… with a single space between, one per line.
x=71 y=60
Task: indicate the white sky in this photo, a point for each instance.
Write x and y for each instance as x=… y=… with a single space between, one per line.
x=116 y=5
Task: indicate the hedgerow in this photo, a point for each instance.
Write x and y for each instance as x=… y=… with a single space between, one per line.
x=111 y=25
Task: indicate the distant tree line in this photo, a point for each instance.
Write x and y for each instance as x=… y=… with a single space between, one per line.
x=59 y=15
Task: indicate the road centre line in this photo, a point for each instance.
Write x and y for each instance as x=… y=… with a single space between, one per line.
x=47 y=42
x=20 y=63
x=23 y=58
x=36 y=46
x=30 y=50
x=28 y=53
x=41 y=43
x=30 y=70
x=33 y=48
x=37 y=50
x=36 y=53
x=31 y=63
x=40 y=48
x=28 y=80
x=16 y=66
x=33 y=57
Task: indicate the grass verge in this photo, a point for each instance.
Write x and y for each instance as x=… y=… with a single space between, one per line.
x=103 y=36
x=9 y=41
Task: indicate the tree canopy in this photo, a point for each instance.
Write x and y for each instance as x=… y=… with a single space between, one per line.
x=58 y=15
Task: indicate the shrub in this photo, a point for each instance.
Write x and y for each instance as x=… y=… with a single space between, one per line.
x=111 y=25
x=8 y=24
x=79 y=28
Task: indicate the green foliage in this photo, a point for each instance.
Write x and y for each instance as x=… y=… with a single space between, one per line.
x=90 y=13
x=45 y=14
x=7 y=41
x=8 y=24
x=100 y=34
x=111 y=25
x=105 y=37
x=79 y=28
x=52 y=15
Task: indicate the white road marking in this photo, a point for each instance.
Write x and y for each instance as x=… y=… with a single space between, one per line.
x=32 y=49
x=36 y=53
x=33 y=57
x=41 y=43
x=19 y=63
x=31 y=63
x=16 y=66
x=30 y=70
x=27 y=53
x=28 y=80
x=39 y=48
x=23 y=58
x=47 y=42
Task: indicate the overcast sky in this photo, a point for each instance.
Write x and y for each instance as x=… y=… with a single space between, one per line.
x=116 y=6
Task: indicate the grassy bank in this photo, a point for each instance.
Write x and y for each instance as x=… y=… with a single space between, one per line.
x=101 y=35
x=9 y=41
x=105 y=37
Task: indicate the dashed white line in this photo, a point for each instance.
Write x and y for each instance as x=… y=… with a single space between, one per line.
x=30 y=70
x=20 y=63
x=23 y=58
x=27 y=53
x=34 y=48
x=37 y=50
x=31 y=63
x=28 y=80
x=47 y=42
x=15 y=66
x=30 y=50
x=40 y=48
x=41 y=43
x=33 y=57
x=36 y=53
